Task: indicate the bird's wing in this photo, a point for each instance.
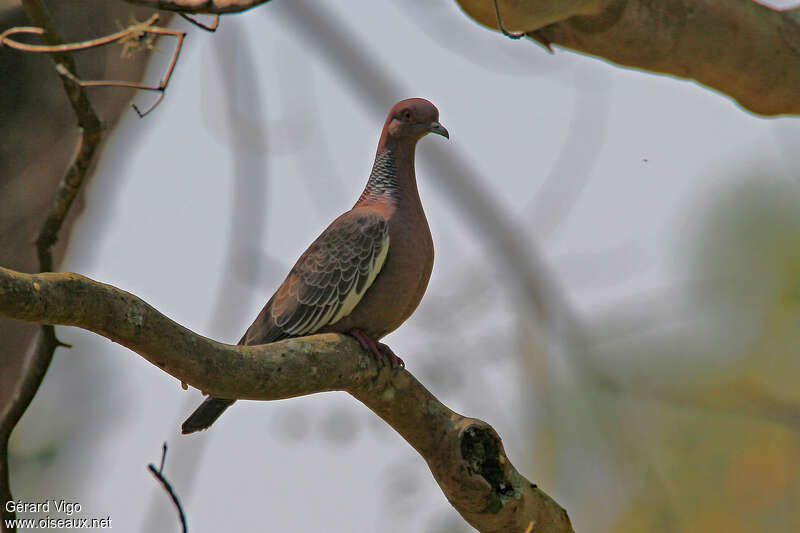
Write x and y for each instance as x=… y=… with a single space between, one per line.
x=328 y=280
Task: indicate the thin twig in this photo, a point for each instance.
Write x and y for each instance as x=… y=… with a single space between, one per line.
x=206 y=7
x=510 y=35
x=159 y=475
x=535 y=35
x=137 y=30
x=212 y=28
x=130 y=38
x=163 y=456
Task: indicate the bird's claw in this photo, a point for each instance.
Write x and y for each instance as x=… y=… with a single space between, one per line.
x=393 y=358
x=378 y=350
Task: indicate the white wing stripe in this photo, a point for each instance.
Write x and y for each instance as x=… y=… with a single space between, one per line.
x=353 y=296
x=335 y=293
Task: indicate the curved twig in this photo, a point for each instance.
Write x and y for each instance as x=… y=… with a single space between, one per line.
x=158 y=473
x=210 y=28
x=131 y=38
x=534 y=35
x=137 y=30
x=510 y=35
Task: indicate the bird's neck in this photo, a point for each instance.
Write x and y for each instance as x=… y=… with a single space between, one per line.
x=392 y=181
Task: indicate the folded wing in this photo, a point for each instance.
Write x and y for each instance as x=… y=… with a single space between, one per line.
x=328 y=280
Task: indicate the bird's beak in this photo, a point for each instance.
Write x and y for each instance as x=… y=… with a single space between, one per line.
x=438 y=129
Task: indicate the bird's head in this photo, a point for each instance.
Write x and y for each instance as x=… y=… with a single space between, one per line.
x=412 y=119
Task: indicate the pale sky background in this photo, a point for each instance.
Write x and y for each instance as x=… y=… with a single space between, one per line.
x=654 y=151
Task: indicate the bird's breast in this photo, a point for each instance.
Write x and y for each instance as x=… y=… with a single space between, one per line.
x=401 y=283
x=408 y=266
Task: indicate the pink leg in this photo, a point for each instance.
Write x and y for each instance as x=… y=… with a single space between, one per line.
x=393 y=358
x=378 y=349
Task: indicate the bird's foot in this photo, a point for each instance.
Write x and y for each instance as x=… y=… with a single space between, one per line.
x=393 y=358
x=377 y=349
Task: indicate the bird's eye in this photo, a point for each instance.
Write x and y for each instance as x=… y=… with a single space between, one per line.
x=407 y=115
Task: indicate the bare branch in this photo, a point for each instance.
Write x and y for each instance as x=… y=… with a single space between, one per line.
x=465 y=455
x=211 y=28
x=136 y=31
x=5 y=486
x=65 y=195
x=503 y=30
x=218 y=7
x=37 y=363
x=535 y=35
x=35 y=367
x=159 y=475
x=131 y=38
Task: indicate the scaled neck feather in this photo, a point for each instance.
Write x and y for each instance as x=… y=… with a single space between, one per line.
x=392 y=178
x=383 y=180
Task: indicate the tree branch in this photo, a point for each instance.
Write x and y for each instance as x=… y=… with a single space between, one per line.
x=168 y=488
x=465 y=455
x=136 y=36
x=742 y=48
x=212 y=7
x=46 y=343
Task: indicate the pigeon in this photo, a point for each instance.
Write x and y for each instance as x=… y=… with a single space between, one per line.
x=367 y=272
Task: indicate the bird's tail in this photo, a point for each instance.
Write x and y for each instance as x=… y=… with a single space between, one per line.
x=205 y=415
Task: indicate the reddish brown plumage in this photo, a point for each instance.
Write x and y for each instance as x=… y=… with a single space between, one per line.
x=367 y=272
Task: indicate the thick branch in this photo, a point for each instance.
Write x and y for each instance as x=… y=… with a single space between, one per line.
x=465 y=455
x=742 y=48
